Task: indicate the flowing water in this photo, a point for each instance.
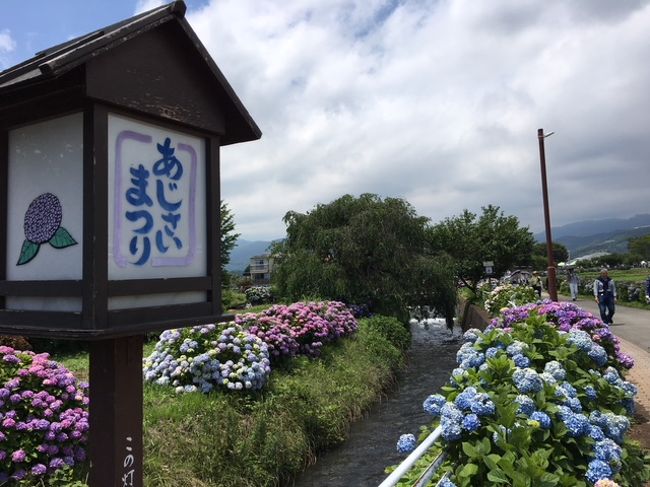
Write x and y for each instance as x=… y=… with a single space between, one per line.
x=361 y=460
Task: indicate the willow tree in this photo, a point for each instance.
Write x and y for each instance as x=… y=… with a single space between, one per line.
x=363 y=250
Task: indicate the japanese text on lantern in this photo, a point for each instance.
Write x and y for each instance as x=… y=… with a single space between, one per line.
x=154 y=202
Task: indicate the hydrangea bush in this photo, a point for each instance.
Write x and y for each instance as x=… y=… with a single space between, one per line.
x=508 y=296
x=536 y=405
x=206 y=357
x=566 y=317
x=258 y=294
x=300 y=328
x=44 y=417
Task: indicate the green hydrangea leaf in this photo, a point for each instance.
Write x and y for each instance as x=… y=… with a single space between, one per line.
x=62 y=239
x=28 y=252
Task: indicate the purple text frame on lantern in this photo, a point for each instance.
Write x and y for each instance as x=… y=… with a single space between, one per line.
x=121 y=260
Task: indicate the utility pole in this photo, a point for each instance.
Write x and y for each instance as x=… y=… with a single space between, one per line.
x=552 y=285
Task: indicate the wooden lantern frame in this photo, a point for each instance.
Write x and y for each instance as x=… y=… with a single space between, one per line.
x=114 y=71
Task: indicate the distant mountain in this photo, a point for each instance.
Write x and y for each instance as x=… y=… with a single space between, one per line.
x=607 y=235
x=612 y=242
x=588 y=228
x=243 y=251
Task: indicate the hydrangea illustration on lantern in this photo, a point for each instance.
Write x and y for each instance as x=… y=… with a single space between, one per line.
x=43 y=225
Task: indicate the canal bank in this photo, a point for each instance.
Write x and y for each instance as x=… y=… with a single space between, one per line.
x=361 y=460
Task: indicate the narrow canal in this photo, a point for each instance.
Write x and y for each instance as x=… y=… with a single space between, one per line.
x=361 y=460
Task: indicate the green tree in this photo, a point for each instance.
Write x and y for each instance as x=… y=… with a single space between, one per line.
x=560 y=253
x=470 y=240
x=363 y=250
x=640 y=247
x=228 y=240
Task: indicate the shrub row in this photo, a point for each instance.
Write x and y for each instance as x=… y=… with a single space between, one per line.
x=236 y=356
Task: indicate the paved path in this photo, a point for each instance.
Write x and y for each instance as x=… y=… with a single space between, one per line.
x=632 y=326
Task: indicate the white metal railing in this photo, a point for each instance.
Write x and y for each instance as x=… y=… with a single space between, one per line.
x=431 y=470
x=415 y=455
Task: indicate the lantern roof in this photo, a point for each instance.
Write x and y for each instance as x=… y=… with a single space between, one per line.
x=58 y=61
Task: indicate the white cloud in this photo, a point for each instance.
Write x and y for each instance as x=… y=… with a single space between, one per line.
x=437 y=101
x=7 y=44
x=144 y=5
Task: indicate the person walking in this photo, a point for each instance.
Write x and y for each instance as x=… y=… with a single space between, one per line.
x=605 y=296
x=647 y=290
x=574 y=283
x=536 y=283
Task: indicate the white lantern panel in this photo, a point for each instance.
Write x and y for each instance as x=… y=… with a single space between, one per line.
x=156 y=207
x=45 y=208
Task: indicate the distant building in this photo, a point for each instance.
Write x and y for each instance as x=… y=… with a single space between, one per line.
x=261 y=269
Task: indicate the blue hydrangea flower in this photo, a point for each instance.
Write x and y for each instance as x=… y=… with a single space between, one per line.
x=629 y=406
x=468 y=357
x=608 y=451
x=451 y=431
x=491 y=352
x=543 y=419
x=482 y=405
x=445 y=482
x=516 y=348
x=464 y=399
x=555 y=369
x=611 y=375
x=433 y=404
x=580 y=339
x=597 y=470
x=471 y=335
x=450 y=413
x=613 y=425
x=577 y=424
x=527 y=380
x=596 y=433
x=598 y=354
x=451 y=419
x=406 y=443
x=591 y=393
x=574 y=404
x=630 y=389
x=521 y=360
x=471 y=423
x=526 y=404
x=548 y=378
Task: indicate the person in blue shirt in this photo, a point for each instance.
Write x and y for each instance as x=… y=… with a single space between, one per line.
x=605 y=296
x=647 y=290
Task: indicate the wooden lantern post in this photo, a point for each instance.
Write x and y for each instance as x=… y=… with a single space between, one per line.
x=109 y=206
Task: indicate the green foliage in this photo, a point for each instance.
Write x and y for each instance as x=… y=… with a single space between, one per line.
x=640 y=247
x=228 y=239
x=232 y=299
x=560 y=253
x=470 y=241
x=364 y=250
x=391 y=329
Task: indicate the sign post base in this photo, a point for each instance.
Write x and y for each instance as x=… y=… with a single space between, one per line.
x=116 y=412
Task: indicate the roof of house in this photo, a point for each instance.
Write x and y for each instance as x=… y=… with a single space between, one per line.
x=60 y=59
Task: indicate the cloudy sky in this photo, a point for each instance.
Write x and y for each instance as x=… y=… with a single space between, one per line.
x=434 y=101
